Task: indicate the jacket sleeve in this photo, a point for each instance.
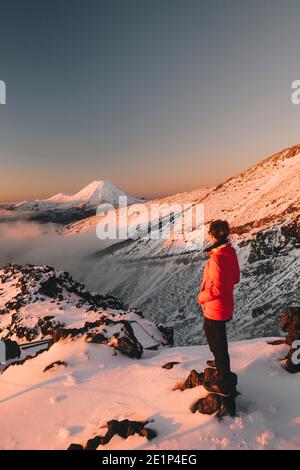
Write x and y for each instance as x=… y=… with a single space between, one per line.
x=213 y=289
x=237 y=274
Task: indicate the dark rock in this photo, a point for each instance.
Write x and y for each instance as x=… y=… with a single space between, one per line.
x=167 y=332
x=97 y=338
x=93 y=443
x=290 y=323
x=55 y=363
x=123 y=429
x=213 y=403
x=276 y=342
x=129 y=347
x=170 y=365
x=50 y=287
x=194 y=379
x=127 y=428
x=75 y=447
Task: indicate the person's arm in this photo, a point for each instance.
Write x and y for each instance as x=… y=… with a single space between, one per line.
x=237 y=274
x=213 y=290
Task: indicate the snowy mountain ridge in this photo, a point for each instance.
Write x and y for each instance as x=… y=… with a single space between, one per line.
x=38 y=303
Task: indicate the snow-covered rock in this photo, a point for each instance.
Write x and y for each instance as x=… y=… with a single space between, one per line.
x=38 y=302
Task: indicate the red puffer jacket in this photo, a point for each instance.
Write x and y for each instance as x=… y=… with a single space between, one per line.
x=221 y=273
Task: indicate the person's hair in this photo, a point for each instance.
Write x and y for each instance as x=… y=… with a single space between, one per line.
x=219 y=229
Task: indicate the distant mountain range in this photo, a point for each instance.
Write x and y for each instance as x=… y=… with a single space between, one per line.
x=64 y=208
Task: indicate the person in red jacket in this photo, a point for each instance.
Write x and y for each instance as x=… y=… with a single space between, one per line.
x=221 y=273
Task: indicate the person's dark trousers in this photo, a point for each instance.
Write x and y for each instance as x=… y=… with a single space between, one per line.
x=215 y=331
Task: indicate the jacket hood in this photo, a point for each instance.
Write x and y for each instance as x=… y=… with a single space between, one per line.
x=216 y=245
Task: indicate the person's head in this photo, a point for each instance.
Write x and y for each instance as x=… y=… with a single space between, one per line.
x=218 y=230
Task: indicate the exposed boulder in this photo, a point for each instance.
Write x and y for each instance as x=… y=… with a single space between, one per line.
x=213 y=403
x=170 y=365
x=55 y=363
x=290 y=323
x=123 y=429
x=75 y=447
x=194 y=379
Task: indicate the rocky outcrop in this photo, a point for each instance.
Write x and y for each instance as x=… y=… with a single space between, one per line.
x=211 y=403
x=38 y=302
x=167 y=332
x=34 y=283
x=290 y=323
x=123 y=429
x=194 y=379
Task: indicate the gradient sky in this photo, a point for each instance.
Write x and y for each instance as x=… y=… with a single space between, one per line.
x=157 y=96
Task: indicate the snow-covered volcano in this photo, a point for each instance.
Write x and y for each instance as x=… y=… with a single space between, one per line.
x=99 y=192
x=95 y=193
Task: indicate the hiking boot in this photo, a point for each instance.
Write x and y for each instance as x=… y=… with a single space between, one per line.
x=216 y=390
x=225 y=389
x=211 y=364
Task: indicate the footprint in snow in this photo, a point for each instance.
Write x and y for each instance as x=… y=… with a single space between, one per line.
x=69 y=380
x=54 y=400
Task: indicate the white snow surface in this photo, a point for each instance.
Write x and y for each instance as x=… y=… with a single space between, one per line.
x=51 y=410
